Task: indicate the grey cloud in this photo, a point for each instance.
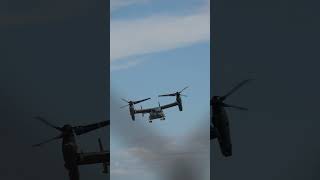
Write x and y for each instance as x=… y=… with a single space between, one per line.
x=155 y=152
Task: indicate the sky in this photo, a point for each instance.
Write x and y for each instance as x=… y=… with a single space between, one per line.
x=160 y=47
x=54 y=63
x=277 y=44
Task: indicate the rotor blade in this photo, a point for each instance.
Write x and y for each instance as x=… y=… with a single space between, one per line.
x=124 y=100
x=172 y=94
x=235 y=107
x=183 y=95
x=136 y=102
x=47 y=141
x=47 y=123
x=236 y=88
x=183 y=89
x=124 y=106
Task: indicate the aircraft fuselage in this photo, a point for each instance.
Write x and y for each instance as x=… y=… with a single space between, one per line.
x=157 y=113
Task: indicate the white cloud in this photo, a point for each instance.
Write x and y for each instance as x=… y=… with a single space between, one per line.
x=157 y=33
x=117 y=4
x=125 y=65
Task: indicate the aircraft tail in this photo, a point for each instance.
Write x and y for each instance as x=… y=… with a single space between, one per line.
x=105 y=165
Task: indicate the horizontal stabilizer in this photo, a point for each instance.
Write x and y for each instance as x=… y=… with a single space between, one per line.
x=101 y=157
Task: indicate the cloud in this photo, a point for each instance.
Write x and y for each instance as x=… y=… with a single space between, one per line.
x=118 y=4
x=123 y=66
x=158 y=156
x=144 y=151
x=157 y=33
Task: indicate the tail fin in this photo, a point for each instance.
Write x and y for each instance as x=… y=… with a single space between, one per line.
x=142 y=113
x=104 y=164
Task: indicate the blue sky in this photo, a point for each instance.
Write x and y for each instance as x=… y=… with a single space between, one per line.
x=158 y=47
x=148 y=7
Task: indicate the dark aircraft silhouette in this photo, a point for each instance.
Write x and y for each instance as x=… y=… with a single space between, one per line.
x=155 y=112
x=219 y=120
x=71 y=156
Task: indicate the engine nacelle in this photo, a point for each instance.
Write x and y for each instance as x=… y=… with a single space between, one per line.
x=132 y=112
x=179 y=102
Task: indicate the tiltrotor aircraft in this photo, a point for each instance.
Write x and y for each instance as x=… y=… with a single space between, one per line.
x=155 y=112
x=219 y=120
x=73 y=158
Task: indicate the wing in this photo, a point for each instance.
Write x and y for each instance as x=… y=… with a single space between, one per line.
x=143 y=111
x=93 y=158
x=84 y=129
x=169 y=105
